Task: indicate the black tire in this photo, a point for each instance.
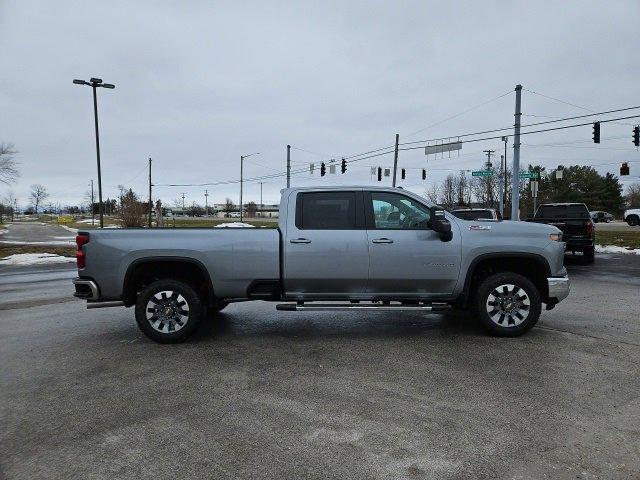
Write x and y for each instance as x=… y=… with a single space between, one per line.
x=589 y=255
x=508 y=324
x=178 y=325
x=633 y=220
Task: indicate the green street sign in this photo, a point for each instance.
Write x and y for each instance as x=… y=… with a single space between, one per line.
x=482 y=173
x=532 y=175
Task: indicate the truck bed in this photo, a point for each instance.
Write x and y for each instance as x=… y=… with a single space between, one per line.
x=233 y=257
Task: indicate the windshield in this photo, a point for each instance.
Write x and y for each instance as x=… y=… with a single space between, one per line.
x=563 y=211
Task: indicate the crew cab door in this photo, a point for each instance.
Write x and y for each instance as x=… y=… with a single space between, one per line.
x=406 y=257
x=325 y=245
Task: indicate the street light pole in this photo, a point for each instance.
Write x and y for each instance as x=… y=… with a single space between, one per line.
x=242 y=157
x=95 y=83
x=95 y=116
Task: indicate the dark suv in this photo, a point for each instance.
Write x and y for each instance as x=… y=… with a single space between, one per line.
x=575 y=222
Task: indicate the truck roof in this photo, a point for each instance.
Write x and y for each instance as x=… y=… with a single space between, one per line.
x=344 y=187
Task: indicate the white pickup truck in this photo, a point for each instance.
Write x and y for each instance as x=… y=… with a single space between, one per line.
x=362 y=247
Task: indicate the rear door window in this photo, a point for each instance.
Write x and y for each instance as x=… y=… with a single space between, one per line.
x=327 y=211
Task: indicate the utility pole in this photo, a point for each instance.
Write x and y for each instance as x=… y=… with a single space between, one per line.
x=395 y=160
x=261 y=206
x=150 y=202
x=93 y=219
x=288 y=166
x=515 y=180
x=505 y=139
x=206 y=203
x=502 y=185
x=183 y=203
x=489 y=179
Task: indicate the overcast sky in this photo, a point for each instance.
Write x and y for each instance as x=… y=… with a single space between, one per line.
x=200 y=83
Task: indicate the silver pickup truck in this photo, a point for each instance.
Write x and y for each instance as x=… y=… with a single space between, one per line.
x=381 y=249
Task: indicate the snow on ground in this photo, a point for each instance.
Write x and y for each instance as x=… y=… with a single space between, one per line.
x=234 y=225
x=3 y=231
x=69 y=229
x=60 y=243
x=616 y=249
x=35 y=259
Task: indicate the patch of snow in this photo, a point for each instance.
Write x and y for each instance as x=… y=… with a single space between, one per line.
x=89 y=221
x=35 y=259
x=616 y=249
x=234 y=225
x=51 y=243
x=69 y=229
x=3 y=231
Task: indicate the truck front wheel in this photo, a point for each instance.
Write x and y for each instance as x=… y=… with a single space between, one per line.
x=168 y=311
x=507 y=304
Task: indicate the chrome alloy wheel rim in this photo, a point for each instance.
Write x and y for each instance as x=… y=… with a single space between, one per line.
x=508 y=305
x=167 y=311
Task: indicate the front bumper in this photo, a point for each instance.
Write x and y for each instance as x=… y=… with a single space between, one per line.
x=559 y=288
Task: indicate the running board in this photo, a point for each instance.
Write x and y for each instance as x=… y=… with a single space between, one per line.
x=380 y=307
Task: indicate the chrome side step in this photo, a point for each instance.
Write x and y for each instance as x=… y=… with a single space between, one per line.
x=377 y=307
x=111 y=303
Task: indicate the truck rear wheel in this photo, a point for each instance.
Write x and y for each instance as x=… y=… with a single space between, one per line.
x=168 y=311
x=589 y=255
x=507 y=304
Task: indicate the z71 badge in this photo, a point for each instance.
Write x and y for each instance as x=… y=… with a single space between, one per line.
x=480 y=227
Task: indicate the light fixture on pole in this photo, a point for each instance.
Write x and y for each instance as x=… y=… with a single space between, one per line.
x=242 y=157
x=96 y=83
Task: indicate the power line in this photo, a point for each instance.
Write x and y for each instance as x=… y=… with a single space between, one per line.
x=528 y=133
x=494 y=130
x=459 y=114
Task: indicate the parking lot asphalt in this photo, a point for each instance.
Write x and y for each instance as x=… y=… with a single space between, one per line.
x=265 y=394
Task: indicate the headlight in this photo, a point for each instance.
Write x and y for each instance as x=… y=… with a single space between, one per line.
x=556 y=237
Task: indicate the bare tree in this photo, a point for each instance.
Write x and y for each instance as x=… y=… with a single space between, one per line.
x=448 y=192
x=462 y=187
x=252 y=208
x=8 y=165
x=633 y=195
x=229 y=206
x=38 y=194
x=433 y=194
x=10 y=203
x=131 y=209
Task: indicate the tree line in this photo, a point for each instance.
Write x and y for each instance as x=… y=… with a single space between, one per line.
x=576 y=183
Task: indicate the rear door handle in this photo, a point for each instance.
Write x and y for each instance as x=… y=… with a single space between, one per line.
x=300 y=240
x=382 y=240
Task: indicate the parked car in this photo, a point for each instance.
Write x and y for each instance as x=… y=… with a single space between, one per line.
x=600 y=216
x=477 y=214
x=374 y=249
x=575 y=222
x=632 y=217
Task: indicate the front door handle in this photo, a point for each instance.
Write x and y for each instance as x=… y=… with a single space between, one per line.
x=382 y=240
x=300 y=240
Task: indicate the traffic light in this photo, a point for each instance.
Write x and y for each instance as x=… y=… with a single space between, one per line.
x=636 y=136
x=596 y=132
x=379 y=174
x=343 y=168
x=624 y=169
x=403 y=174
x=424 y=174
x=323 y=169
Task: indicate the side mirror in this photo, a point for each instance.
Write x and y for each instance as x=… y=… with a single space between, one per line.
x=440 y=224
